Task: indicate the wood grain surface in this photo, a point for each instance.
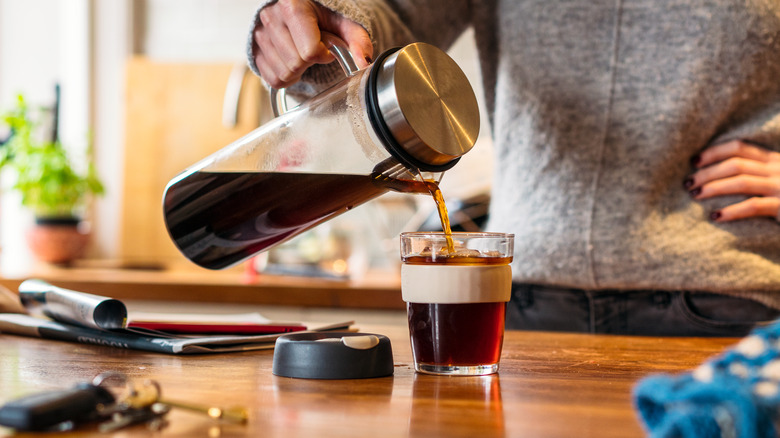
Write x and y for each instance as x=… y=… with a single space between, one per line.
x=549 y=385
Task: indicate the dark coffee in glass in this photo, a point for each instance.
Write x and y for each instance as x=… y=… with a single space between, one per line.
x=456 y=293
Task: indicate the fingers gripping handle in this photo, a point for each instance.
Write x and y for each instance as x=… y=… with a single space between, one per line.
x=338 y=48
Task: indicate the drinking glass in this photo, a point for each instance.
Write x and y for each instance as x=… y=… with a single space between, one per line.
x=456 y=289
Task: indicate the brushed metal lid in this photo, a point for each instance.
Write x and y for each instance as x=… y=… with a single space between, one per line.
x=427 y=104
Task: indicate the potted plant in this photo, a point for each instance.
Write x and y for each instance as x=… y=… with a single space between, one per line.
x=50 y=185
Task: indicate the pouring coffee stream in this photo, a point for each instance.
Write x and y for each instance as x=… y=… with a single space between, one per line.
x=390 y=170
x=390 y=127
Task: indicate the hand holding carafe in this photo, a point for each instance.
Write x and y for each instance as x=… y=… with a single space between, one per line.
x=394 y=125
x=287 y=40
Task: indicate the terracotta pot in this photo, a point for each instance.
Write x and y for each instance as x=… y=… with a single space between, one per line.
x=58 y=240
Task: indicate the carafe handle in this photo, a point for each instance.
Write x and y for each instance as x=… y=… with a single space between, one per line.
x=339 y=49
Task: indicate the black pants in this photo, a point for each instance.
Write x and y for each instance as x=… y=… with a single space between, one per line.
x=643 y=312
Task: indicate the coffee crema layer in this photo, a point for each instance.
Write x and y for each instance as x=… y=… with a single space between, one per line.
x=449 y=284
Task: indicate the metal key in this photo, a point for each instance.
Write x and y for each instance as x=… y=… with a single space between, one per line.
x=136 y=405
x=152 y=415
x=149 y=394
x=233 y=414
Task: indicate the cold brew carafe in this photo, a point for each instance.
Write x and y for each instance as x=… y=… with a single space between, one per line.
x=402 y=121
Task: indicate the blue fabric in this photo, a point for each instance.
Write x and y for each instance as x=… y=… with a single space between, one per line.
x=735 y=394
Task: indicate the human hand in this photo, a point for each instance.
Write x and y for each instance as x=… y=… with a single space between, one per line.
x=738 y=168
x=287 y=41
x=9 y=302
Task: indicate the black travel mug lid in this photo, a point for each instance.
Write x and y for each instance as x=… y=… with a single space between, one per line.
x=333 y=355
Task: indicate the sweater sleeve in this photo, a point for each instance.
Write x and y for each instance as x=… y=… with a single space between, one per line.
x=388 y=23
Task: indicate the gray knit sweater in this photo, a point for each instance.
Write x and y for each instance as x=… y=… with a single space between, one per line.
x=596 y=108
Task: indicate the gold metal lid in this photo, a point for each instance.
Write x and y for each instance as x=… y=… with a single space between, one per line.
x=427 y=103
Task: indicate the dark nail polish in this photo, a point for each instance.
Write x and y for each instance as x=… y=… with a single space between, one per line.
x=368 y=59
x=695 y=160
x=715 y=215
x=695 y=192
x=688 y=183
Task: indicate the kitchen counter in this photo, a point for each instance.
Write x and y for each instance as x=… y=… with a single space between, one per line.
x=376 y=290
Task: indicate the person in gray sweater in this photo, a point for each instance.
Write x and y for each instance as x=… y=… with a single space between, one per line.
x=636 y=146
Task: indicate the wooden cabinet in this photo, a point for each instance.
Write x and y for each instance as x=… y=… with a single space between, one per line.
x=174 y=118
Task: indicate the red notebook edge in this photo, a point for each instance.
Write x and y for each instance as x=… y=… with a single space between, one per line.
x=220 y=328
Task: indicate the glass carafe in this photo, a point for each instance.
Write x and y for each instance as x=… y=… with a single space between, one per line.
x=406 y=118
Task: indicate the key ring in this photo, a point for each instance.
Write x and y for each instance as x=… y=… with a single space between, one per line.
x=106 y=375
x=135 y=396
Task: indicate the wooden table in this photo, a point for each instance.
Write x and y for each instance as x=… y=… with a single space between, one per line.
x=549 y=385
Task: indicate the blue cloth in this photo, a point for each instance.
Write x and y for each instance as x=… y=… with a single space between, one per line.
x=735 y=394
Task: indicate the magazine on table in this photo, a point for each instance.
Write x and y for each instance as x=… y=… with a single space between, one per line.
x=74 y=316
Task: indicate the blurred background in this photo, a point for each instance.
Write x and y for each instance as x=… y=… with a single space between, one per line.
x=156 y=85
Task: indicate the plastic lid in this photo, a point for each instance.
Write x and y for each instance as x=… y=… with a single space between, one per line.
x=333 y=355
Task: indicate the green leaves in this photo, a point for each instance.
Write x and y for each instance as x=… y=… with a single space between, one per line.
x=46 y=178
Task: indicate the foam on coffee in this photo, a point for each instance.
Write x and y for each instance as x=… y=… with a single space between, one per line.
x=449 y=284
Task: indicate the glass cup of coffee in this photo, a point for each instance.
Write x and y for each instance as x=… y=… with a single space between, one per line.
x=456 y=288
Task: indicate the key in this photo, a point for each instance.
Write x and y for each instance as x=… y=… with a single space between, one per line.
x=51 y=409
x=149 y=393
x=233 y=414
x=140 y=396
x=136 y=405
x=152 y=415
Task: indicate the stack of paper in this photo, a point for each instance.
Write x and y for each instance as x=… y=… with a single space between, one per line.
x=73 y=316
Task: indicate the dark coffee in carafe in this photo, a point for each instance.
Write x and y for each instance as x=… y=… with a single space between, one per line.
x=218 y=219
